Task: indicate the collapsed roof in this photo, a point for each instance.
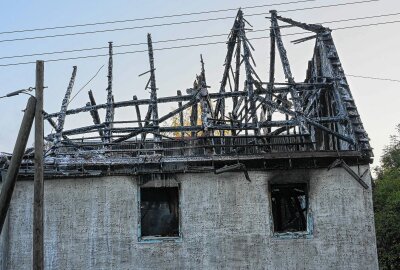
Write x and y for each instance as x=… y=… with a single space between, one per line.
x=255 y=123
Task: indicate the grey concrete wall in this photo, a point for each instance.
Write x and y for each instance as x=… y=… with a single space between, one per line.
x=225 y=224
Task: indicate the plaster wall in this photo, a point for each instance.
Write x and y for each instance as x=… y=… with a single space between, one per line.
x=92 y=223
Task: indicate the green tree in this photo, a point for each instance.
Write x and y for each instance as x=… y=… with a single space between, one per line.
x=386 y=195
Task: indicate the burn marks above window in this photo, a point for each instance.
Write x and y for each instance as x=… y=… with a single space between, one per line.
x=159 y=211
x=289 y=207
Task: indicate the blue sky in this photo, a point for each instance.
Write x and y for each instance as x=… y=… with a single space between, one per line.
x=364 y=51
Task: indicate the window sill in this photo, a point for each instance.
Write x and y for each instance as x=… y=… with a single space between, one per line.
x=292 y=235
x=155 y=239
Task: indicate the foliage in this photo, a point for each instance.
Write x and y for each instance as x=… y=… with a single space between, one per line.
x=386 y=194
x=174 y=121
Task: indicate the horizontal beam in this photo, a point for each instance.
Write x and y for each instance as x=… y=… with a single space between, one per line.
x=216 y=158
x=238 y=126
x=179 y=98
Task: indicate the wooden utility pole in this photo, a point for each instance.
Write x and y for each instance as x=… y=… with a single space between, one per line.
x=38 y=258
x=18 y=153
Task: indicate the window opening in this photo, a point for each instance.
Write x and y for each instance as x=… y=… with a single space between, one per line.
x=159 y=209
x=289 y=207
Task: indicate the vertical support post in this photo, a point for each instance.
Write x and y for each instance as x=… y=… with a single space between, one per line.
x=246 y=113
x=137 y=109
x=18 y=153
x=153 y=95
x=139 y=118
x=205 y=110
x=194 y=115
x=204 y=98
x=271 y=76
x=38 y=188
x=249 y=77
x=237 y=74
x=110 y=105
x=181 y=122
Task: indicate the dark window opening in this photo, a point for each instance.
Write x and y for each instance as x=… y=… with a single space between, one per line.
x=159 y=208
x=289 y=207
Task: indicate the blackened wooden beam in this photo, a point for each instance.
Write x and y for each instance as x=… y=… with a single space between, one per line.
x=178 y=110
x=138 y=116
x=136 y=130
x=128 y=103
x=160 y=120
x=16 y=159
x=270 y=86
x=300 y=40
x=309 y=27
x=204 y=98
x=287 y=70
x=65 y=102
x=95 y=114
x=220 y=106
x=193 y=116
x=249 y=77
x=153 y=88
x=109 y=105
x=237 y=72
x=181 y=121
x=284 y=110
x=205 y=108
x=281 y=48
x=343 y=164
x=82 y=130
x=54 y=125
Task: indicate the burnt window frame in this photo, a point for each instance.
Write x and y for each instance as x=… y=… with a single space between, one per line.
x=308 y=232
x=158 y=239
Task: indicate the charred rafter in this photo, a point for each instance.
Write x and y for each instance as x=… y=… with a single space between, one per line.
x=246 y=119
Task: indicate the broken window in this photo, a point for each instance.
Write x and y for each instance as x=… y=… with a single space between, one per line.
x=289 y=207
x=159 y=209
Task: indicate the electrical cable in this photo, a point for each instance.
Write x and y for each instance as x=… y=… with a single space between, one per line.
x=122 y=45
x=85 y=85
x=185 y=46
x=152 y=18
x=17 y=92
x=373 y=78
x=185 y=38
x=175 y=23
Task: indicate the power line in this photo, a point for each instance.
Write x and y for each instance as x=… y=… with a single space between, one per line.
x=361 y=18
x=184 y=38
x=373 y=78
x=152 y=18
x=129 y=52
x=123 y=29
x=366 y=25
x=122 y=45
x=344 y=20
x=191 y=45
x=176 y=23
x=333 y=5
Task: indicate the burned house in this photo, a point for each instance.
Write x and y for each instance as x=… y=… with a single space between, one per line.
x=264 y=174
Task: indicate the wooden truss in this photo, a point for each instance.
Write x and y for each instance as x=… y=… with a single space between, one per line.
x=246 y=119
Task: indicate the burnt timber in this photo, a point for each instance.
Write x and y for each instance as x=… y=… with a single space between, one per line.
x=261 y=124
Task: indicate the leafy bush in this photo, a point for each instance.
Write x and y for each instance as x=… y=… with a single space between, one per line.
x=386 y=194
